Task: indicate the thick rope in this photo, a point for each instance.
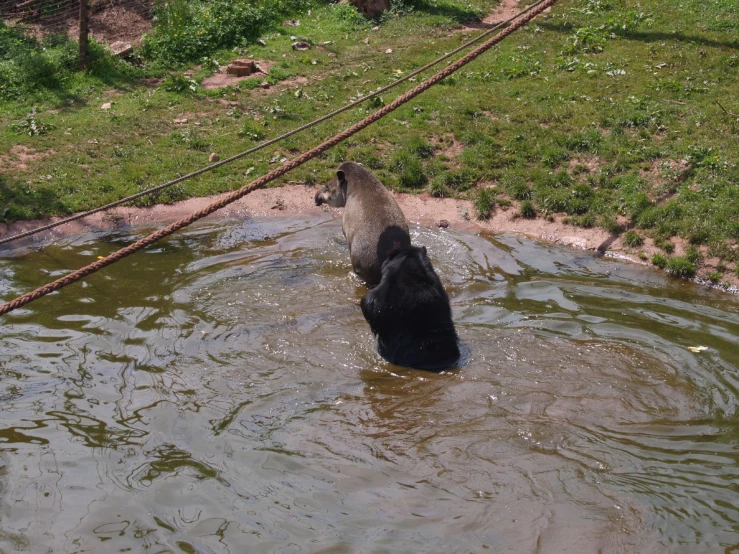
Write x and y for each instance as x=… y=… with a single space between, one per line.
x=267 y=143
x=272 y=175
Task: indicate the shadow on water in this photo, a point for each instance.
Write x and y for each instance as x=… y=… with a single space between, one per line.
x=221 y=392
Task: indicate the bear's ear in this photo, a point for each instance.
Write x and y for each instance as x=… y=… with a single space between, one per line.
x=340 y=175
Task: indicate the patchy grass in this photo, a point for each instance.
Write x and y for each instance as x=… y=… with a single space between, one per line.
x=484 y=202
x=527 y=209
x=660 y=260
x=598 y=110
x=680 y=266
x=632 y=239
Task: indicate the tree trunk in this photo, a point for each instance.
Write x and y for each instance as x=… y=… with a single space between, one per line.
x=371 y=8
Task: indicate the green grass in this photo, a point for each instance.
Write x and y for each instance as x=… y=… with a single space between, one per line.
x=660 y=260
x=484 y=202
x=680 y=266
x=632 y=239
x=598 y=110
x=527 y=209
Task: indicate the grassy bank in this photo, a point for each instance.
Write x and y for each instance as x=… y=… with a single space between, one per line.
x=604 y=113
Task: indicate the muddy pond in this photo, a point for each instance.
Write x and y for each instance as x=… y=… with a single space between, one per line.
x=221 y=392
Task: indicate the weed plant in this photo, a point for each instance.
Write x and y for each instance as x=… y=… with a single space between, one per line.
x=484 y=202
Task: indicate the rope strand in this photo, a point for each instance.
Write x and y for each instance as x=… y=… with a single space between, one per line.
x=267 y=143
x=288 y=166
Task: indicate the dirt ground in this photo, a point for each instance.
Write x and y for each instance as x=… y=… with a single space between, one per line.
x=115 y=23
x=419 y=209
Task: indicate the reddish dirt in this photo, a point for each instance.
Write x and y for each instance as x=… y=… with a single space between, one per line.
x=107 y=25
x=117 y=23
x=506 y=10
x=296 y=199
x=20 y=156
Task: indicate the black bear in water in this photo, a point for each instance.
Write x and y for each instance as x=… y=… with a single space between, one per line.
x=409 y=313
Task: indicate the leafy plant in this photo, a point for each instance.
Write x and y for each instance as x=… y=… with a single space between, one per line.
x=177 y=82
x=680 y=266
x=32 y=125
x=632 y=239
x=527 y=209
x=484 y=202
x=660 y=260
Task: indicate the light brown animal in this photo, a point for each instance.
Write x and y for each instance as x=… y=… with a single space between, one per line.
x=374 y=225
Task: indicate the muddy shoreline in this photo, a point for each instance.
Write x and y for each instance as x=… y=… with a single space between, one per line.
x=298 y=199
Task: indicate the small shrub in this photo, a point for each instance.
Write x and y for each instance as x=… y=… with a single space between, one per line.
x=642 y=256
x=251 y=131
x=721 y=267
x=439 y=190
x=459 y=179
x=410 y=170
x=632 y=239
x=680 y=266
x=586 y=220
x=660 y=260
x=665 y=245
x=177 y=82
x=714 y=277
x=693 y=255
x=249 y=84
x=520 y=191
x=484 y=202
x=31 y=125
x=504 y=203
x=609 y=223
x=527 y=210
x=419 y=147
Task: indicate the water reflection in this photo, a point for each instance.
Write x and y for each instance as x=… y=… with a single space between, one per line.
x=222 y=393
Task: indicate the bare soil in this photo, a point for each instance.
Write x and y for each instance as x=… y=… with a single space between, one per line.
x=20 y=156
x=506 y=10
x=297 y=199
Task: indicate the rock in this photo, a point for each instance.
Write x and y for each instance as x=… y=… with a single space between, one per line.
x=291 y=23
x=214 y=158
x=264 y=84
x=260 y=42
x=389 y=51
x=442 y=224
x=376 y=28
x=180 y=121
x=121 y=49
x=241 y=68
x=106 y=106
x=371 y=8
x=301 y=45
x=366 y=41
x=332 y=55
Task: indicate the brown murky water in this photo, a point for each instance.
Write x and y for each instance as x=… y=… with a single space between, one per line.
x=222 y=393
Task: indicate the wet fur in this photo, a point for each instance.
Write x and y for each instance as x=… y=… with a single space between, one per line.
x=373 y=223
x=409 y=313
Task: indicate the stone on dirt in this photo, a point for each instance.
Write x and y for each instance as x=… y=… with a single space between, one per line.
x=121 y=49
x=241 y=68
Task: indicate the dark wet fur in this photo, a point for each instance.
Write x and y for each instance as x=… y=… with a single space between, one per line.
x=409 y=313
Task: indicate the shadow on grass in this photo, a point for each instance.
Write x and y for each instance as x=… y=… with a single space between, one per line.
x=652 y=36
x=455 y=13
x=23 y=202
x=32 y=70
